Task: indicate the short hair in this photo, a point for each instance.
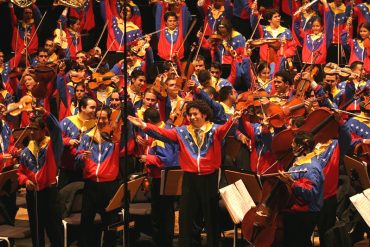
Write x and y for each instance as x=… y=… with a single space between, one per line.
x=136 y=73
x=80 y=84
x=83 y=102
x=305 y=139
x=37 y=121
x=72 y=20
x=224 y=92
x=202 y=106
x=203 y=76
x=41 y=49
x=285 y=76
x=167 y=65
x=104 y=108
x=150 y=90
x=227 y=24
x=169 y=14
x=216 y=65
x=211 y=91
x=355 y=63
x=199 y=58
x=270 y=13
x=151 y=115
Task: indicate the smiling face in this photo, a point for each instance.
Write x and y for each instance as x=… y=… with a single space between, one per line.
x=196 y=118
x=316 y=27
x=90 y=109
x=103 y=119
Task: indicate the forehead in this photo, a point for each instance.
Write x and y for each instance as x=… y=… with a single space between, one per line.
x=102 y=114
x=171 y=82
x=171 y=18
x=150 y=95
x=278 y=79
x=194 y=110
x=91 y=102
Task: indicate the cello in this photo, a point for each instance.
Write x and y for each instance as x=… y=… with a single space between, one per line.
x=262 y=224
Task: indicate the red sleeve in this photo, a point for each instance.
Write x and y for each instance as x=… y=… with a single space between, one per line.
x=22 y=178
x=153 y=160
x=167 y=133
x=13 y=17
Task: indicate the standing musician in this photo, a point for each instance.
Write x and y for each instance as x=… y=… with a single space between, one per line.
x=99 y=159
x=362 y=12
x=316 y=43
x=136 y=88
x=199 y=64
x=85 y=15
x=341 y=13
x=6 y=68
x=24 y=30
x=39 y=162
x=52 y=50
x=214 y=13
x=149 y=101
x=307 y=192
x=356 y=46
x=263 y=77
x=115 y=26
x=171 y=39
x=200 y=158
x=73 y=128
x=159 y=156
x=72 y=28
x=275 y=54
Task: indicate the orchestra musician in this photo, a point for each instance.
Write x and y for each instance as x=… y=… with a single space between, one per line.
x=72 y=28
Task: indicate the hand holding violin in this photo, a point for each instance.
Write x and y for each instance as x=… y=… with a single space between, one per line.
x=74 y=142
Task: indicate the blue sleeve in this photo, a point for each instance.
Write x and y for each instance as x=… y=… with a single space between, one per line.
x=297 y=30
x=84 y=145
x=116 y=69
x=329 y=27
x=36 y=13
x=168 y=155
x=344 y=38
x=186 y=18
x=62 y=89
x=102 y=10
x=220 y=116
x=56 y=136
x=344 y=139
x=254 y=20
x=158 y=14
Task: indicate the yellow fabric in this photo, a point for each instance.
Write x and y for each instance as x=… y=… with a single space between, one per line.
x=157 y=142
x=316 y=36
x=35 y=148
x=130 y=25
x=206 y=127
x=216 y=13
x=319 y=149
x=280 y=29
x=228 y=110
x=100 y=94
x=76 y=120
x=337 y=10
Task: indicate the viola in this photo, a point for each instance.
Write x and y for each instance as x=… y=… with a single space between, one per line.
x=24 y=104
x=332 y=68
x=100 y=79
x=260 y=42
x=186 y=70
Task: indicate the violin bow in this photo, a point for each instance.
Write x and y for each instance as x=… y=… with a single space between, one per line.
x=201 y=40
x=101 y=34
x=37 y=28
x=187 y=34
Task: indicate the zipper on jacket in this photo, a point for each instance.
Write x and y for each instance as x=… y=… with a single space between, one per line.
x=99 y=158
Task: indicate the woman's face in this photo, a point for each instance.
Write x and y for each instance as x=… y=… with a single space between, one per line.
x=364 y=33
x=316 y=27
x=29 y=82
x=264 y=74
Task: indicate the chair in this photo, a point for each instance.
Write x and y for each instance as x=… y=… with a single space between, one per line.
x=8 y=232
x=74 y=212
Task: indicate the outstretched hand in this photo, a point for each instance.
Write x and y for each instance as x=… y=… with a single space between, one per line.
x=136 y=121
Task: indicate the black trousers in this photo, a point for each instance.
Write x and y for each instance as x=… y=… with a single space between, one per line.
x=163 y=216
x=68 y=176
x=199 y=196
x=327 y=217
x=298 y=228
x=44 y=214
x=96 y=197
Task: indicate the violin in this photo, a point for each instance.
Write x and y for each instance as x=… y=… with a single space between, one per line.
x=279 y=115
x=159 y=86
x=100 y=79
x=332 y=68
x=24 y=104
x=303 y=84
x=186 y=69
x=229 y=48
x=253 y=98
x=178 y=115
x=60 y=37
x=260 y=42
x=140 y=48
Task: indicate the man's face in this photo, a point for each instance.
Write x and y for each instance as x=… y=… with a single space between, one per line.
x=80 y=58
x=171 y=23
x=138 y=83
x=215 y=72
x=279 y=85
x=76 y=27
x=275 y=20
x=172 y=88
x=79 y=92
x=37 y=134
x=218 y=3
x=296 y=149
x=42 y=57
x=27 y=14
x=331 y=80
x=197 y=119
x=90 y=109
x=149 y=100
x=103 y=119
x=198 y=66
x=358 y=69
x=49 y=45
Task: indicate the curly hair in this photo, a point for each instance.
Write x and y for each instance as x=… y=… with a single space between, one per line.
x=202 y=106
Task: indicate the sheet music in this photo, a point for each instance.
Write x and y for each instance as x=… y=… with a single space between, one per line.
x=362 y=204
x=367 y=194
x=245 y=194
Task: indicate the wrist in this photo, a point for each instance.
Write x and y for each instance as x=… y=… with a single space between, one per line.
x=313 y=85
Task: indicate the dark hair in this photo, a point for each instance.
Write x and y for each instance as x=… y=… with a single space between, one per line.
x=364 y=25
x=151 y=115
x=305 y=140
x=224 y=92
x=169 y=14
x=199 y=58
x=227 y=24
x=285 y=76
x=167 y=65
x=270 y=13
x=104 y=108
x=216 y=65
x=355 y=63
x=203 y=76
x=202 y=106
x=211 y=91
x=76 y=66
x=38 y=122
x=150 y=90
x=136 y=73
x=72 y=20
x=83 y=102
x=298 y=121
x=262 y=66
x=319 y=19
x=41 y=49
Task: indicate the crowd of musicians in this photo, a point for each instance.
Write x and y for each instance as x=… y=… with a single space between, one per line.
x=294 y=100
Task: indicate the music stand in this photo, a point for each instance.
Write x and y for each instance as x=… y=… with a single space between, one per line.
x=249 y=179
x=5 y=177
x=351 y=165
x=171 y=182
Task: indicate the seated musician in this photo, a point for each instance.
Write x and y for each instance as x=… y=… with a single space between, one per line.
x=281 y=88
x=41 y=58
x=99 y=159
x=160 y=155
x=39 y=163
x=275 y=54
x=307 y=192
